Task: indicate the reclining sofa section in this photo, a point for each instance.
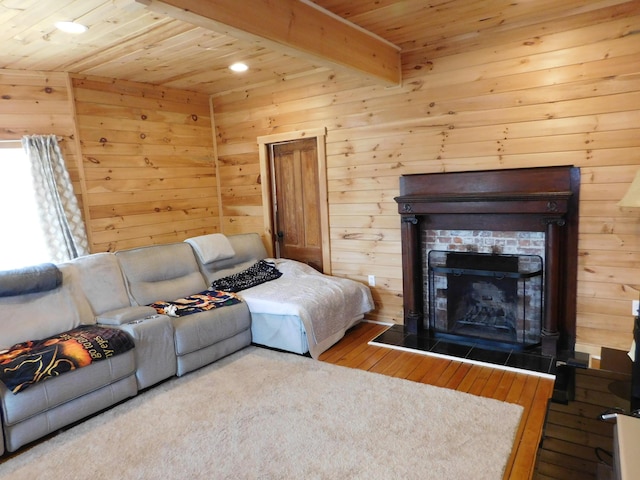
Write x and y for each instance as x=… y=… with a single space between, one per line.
x=47 y=406
x=170 y=272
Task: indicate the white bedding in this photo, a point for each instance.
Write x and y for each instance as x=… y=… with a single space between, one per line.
x=326 y=305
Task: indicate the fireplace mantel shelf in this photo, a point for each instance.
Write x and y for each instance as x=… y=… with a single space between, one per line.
x=483 y=197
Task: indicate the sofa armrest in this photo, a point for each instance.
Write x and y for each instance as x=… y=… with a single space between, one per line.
x=125 y=315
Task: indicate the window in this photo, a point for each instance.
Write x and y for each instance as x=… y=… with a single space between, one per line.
x=22 y=242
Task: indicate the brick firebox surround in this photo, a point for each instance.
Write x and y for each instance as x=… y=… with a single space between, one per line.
x=490 y=243
x=541 y=199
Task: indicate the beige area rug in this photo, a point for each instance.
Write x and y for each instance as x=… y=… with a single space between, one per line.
x=260 y=414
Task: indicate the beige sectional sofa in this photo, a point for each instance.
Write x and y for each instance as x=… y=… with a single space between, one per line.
x=115 y=290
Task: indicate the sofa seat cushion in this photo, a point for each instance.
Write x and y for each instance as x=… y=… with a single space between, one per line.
x=44 y=396
x=200 y=330
x=199 y=302
x=37 y=360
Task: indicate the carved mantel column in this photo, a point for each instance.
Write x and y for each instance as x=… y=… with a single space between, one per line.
x=412 y=271
x=552 y=285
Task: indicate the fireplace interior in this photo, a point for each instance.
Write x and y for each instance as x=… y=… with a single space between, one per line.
x=488 y=298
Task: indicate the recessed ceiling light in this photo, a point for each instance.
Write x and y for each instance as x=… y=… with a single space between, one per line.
x=239 y=67
x=71 y=27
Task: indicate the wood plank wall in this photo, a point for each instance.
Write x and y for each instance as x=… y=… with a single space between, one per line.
x=146 y=173
x=564 y=92
x=38 y=103
x=148 y=162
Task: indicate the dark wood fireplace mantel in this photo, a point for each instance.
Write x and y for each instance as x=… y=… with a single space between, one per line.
x=531 y=199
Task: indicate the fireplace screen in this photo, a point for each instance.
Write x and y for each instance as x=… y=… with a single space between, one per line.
x=486 y=298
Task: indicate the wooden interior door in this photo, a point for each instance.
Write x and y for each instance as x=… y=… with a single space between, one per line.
x=294 y=165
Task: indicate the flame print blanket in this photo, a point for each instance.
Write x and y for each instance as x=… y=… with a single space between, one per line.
x=199 y=302
x=36 y=360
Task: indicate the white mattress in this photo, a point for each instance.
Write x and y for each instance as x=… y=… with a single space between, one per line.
x=284 y=332
x=304 y=303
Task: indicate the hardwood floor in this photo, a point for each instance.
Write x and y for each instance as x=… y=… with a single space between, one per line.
x=532 y=392
x=577 y=444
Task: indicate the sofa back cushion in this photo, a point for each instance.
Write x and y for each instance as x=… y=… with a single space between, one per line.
x=37 y=315
x=102 y=282
x=248 y=248
x=161 y=272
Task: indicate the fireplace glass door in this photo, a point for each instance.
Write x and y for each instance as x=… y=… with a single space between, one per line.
x=486 y=298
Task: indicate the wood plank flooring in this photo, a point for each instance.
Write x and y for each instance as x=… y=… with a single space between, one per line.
x=532 y=392
x=577 y=444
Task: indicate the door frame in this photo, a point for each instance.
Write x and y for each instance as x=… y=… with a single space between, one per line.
x=266 y=177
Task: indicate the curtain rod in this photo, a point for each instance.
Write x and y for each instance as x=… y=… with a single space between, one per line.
x=18 y=140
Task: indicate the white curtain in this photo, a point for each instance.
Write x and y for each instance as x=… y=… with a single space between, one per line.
x=60 y=214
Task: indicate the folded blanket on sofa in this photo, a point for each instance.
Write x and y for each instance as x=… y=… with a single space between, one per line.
x=199 y=302
x=212 y=247
x=257 y=274
x=36 y=360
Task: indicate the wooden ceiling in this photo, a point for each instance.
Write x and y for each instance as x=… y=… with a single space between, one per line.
x=137 y=40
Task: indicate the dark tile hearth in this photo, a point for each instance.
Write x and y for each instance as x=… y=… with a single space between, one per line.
x=531 y=360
